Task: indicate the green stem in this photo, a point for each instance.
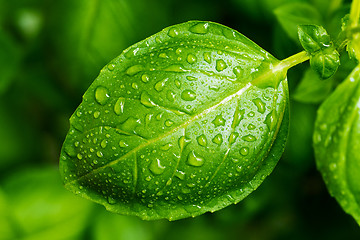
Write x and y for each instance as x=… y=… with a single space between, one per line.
x=294 y=60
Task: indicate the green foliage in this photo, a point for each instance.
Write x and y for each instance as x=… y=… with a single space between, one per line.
x=177 y=115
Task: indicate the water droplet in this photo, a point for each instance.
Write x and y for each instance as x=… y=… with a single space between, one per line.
x=101 y=95
x=191 y=58
x=169 y=123
x=219 y=121
x=111 y=200
x=132 y=52
x=170 y=96
x=156 y=167
x=145 y=78
x=111 y=66
x=163 y=55
x=218 y=139
x=70 y=150
x=229 y=34
x=233 y=136
x=200 y=28
x=134 y=69
x=96 y=114
x=148 y=178
x=99 y=154
x=238 y=71
x=177 y=83
x=79 y=156
x=195 y=160
x=145 y=100
x=119 y=106
x=270 y=120
x=103 y=143
x=249 y=138
x=134 y=85
x=95 y=161
x=166 y=146
x=191 y=78
x=173 y=32
x=238 y=116
x=176 y=68
x=159 y=86
x=259 y=104
x=130 y=124
x=207 y=57
x=183 y=141
x=188 y=95
x=220 y=65
x=244 y=151
x=251 y=127
x=159 y=116
x=123 y=144
x=180 y=174
x=202 y=140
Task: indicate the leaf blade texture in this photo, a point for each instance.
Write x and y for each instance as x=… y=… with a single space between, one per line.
x=336 y=143
x=179 y=124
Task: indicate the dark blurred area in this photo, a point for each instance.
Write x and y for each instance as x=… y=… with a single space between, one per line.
x=51 y=51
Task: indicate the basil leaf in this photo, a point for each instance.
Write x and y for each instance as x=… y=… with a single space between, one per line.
x=297 y=13
x=313 y=37
x=325 y=62
x=41 y=209
x=336 y=143
x=179 y=124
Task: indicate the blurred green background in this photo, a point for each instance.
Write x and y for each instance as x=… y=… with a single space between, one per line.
x=51 y=51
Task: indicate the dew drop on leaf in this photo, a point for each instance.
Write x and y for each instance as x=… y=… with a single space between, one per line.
x=219 y=121
x=200 y=28
x=191 y=58
x=244 y=151
x=202 y=140
x=218 y=139
x=220 y=65
x=119 y=106
x=188 y=95
x=249 y=138
x=145 y=78
x=195 y=160
x=173 y=32
x=259 y=104
x=156 y=167
x=134 y=69
x=101 y=95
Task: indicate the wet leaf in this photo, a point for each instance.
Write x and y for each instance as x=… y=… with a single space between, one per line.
x=179 y=124
x=337 y=141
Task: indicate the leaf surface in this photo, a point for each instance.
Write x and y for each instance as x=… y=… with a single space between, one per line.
x=179 y=124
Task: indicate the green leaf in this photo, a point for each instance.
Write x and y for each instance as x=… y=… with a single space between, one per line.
x=179 y=124
x=337 y=143
x=325 y=62
x=312 y=89
x=40 y=208
x=293 y=14
x=313 y=37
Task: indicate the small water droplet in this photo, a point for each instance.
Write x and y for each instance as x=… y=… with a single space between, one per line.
x=169 y=123
x=145 y=100
x=219 y=121
x=176 y=68
x=111 y=66
x=244 y=151
x=218 y=139
x=251 y=127
x=103 y=143
x=177 y=83
x=119 y=106
x=163 y=55
x=238 y=71
x=159 y=116
x=249 y=138
x=156 y=167
x=233 y=136
x=191 y=58
x=220 y=65
x=130 y=124
x=202 y=140
x=207 y=57
x=200 y=28
x=173 y=32
x=159 y=86
x=170 y=95
x=148 y=178
x=270 y=120
x=79 y=156
x=180 y=174
x=188 y=95
x=145 y=78
x=111 y=200
x=99 y=154
x=101 y=95
x=134 y=85
x=259 y=104
x=191 y=78
x=123 y=144
x=134 y=69
x=95 y=161
x=96 y=114
x=195 y=160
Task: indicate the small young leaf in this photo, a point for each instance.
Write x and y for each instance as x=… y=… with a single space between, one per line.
x=325 y=62
x=312 y=89
x=313 y=38
x=297 y=13
x=179 y=124
x=337 y=141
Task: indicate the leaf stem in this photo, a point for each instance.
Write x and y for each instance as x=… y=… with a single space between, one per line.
x=294 y=60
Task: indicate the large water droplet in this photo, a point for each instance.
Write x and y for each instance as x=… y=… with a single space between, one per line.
x=183 y=141
x=220 y=65
x=163 y=55
x=119 y=106
x=200 y=28
x=173 y=32
x=177 y=83
x=134 y=85
x=123 y=144
x=103 y=143
x=207 y=57
x=134 y=69
x=159 y=86
x=175 y=68
x=228 y=33
x=111 y=66
x=249 y=138
x=145 y=78
x=169 y=123
x=202 y=140
x=132 y=52
x=233 y=136
x=244 y=151
x=99 y=154
x=130 y=124
x=195 y=160
x=219 y=121
x=238 y=116
x=179 y=174
x=170 y=95
x=259 y=104
x=270 y=120
x=191 y=58
x=166 y=146
x=96 y=114
x=238 y=71
x=156 y=167
x=101 y=95
x=218 y=139
x=188 y=95
x=145 y=100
